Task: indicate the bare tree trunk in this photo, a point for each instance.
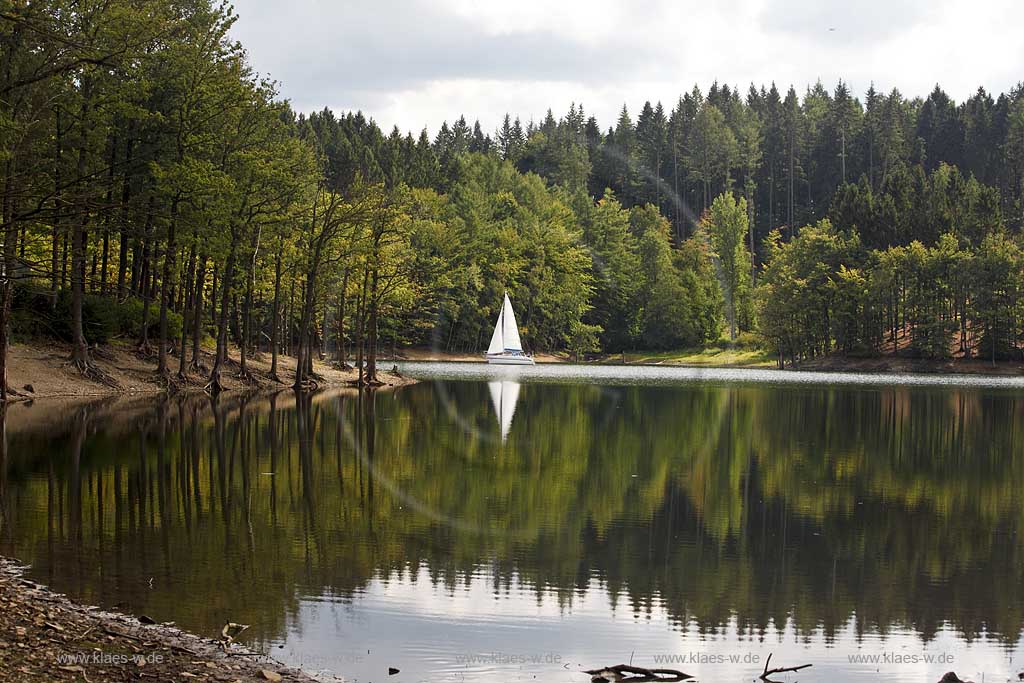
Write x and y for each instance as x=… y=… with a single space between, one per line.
x=58 y=205
x=105 y=256
x=187 y=289
x=300 y=349
x=197 y=313
x=275 y=320
x=79 y=348
x=126 y=192
x=144 y=276
x=215 y=384
x=7 y=284
x=371 y=361
x=165 y=284
x=250 y=284
x=138 y=263
x=360 y=320
x=286 y=325
x=342 y=350
x=10 y=232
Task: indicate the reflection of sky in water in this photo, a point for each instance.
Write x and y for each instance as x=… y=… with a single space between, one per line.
x=654 y=375
x=474 y=633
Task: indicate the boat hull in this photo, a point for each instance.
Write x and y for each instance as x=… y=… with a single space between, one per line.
x=510 y=360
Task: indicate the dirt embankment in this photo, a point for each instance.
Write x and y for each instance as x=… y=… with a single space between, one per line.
x=41 y=370
x=45 y=637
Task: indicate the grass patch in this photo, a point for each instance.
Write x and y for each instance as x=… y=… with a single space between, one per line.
x=720 y=353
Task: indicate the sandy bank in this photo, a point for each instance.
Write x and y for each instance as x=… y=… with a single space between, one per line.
x=41 y=370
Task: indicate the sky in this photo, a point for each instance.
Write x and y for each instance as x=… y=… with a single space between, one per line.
x=416 y=63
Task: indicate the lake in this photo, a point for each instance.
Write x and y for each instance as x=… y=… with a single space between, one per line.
x=523 y=524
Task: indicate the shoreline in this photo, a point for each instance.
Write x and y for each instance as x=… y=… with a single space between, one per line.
x=832 y=364
x=40 y=370
x=47 y=636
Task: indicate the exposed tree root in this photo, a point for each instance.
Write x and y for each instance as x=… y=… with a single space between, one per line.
x=274 y=377
x=635 y=674
x=13 y=394
x=91 y=371
x=247 y=376
x=145 y=350
x=214 y=386
x=103 y=352
x=11 y=391
x=307 y=383
x=172 y=383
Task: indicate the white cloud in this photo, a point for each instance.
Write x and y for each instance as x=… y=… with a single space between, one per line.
x=418 y=63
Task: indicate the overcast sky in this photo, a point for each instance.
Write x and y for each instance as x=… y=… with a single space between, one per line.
x=416 y=63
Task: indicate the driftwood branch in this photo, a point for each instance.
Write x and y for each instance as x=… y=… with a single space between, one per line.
x=782 y=669
x=635 y=674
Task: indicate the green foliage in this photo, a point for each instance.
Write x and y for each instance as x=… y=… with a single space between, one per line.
x=674 y=304
x=725 y=225
x=616 y=269
x=511 y=232
x=128 y=316
x=153 y=107
x=37 y=314
x=997 y=303
x=797 y=290
x=583 y=338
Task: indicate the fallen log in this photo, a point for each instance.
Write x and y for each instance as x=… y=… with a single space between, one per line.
x=782 y=669
x=635 y=674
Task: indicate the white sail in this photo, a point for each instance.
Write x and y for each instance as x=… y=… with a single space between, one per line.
x=509 y=328
x=497 y=340
x=504 y=396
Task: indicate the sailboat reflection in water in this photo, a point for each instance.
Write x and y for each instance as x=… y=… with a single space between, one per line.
x=506 y=348
x=504 y=395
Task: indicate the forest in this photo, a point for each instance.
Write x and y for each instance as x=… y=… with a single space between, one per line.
x=156 y=189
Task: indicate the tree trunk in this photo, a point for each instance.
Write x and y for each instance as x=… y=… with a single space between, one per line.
x=79 y=348
x=144 y=276
x=197 y=313
x=165 y=284
x=342 y=351
x=276 y=315
x=58 y=206
x=215 y=385
x=187 y=289
x=126 y=193
x=250 y=284
x=371 y=361
x=105 y=257
x=7 y=282
x=360 y=326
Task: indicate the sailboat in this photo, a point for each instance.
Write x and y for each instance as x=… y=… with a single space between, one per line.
x=504 y=396
x=506 y=348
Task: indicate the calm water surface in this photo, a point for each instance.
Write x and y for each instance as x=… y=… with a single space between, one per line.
x=522 y=526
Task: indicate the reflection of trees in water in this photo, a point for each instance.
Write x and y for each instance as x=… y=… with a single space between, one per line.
x=899 y=506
